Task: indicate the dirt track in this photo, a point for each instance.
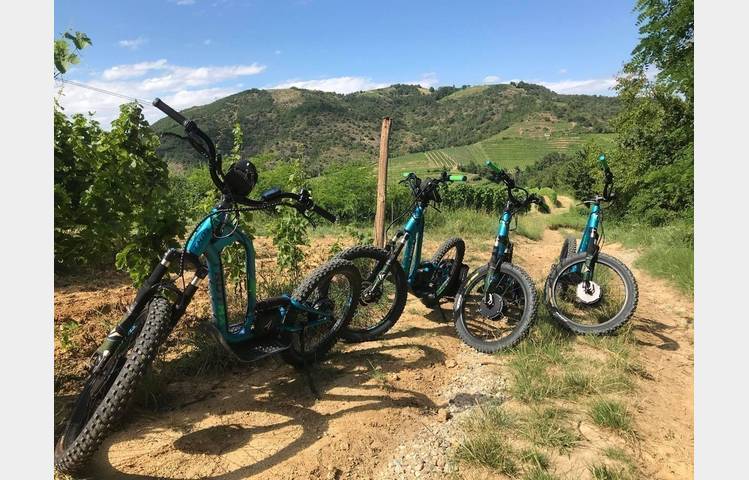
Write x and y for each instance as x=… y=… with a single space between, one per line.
x=263 y=422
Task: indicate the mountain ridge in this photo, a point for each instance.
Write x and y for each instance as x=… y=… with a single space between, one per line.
x=324 y=128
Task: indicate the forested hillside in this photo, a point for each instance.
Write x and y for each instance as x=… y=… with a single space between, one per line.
x=322 y=128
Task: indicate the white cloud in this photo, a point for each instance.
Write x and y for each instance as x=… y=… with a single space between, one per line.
x=596 y=86
x=427 y=80
x=334 y=84
x=491 y=79
x=177 y=85
x=121 y=72
x=351 y=84
x=133 y=44
x=181 y=77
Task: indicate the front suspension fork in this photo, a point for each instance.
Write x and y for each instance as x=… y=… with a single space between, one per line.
x=591 y=256
x=146 y=293
x=495 y=264
x=395 y=246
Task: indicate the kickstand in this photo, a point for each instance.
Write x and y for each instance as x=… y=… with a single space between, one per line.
x=439 y=307
x=306 y=368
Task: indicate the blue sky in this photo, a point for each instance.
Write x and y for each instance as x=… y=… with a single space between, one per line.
x=191 y=52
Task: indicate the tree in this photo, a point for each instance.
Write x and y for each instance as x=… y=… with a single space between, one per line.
x=667 y=44
x=112 y=197
x=654 y=162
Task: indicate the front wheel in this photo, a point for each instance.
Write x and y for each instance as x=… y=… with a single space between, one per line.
x=505 y=319
x=332 y=288
x=599 y=306
x=108 y=390
x=381 y=306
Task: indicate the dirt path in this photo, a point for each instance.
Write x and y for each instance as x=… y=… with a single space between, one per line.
x=379 y=399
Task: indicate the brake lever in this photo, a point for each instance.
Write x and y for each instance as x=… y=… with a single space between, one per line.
x=309 y=219
x=311 y=222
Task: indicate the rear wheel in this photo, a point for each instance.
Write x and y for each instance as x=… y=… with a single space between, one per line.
x=379 y=308
x=569 y=248
x=334 y=288
x=108 y=390
x=599 y=306
x=492 y=327
x=448 y=261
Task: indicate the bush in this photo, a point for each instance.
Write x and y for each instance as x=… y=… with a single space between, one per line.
x=112 y=195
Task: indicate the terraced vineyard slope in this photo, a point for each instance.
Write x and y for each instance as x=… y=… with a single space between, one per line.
x=521 y=144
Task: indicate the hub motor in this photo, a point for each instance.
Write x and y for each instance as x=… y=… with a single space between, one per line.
x=590 y=295
x=369 y=294
x=492 y=309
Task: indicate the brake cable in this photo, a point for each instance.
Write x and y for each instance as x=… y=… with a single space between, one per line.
x=410 y=207
x=236 y=209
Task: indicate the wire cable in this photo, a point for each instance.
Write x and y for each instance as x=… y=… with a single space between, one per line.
x=104 y=91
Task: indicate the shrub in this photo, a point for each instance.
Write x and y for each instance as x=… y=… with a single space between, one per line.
x=112 y=196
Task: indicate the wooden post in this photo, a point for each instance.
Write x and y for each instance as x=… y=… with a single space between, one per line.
x=382 y=178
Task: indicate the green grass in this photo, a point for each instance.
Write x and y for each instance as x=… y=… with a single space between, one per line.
x=377 y=375
x=537 y=460
x=607 y=472
x=488 y=449
x=539 y=474
x=550 y=427
x=462 y=222
x=538 y=363
x=667 y=251
x=555 y=381
x=611 y=414
x=488 y=417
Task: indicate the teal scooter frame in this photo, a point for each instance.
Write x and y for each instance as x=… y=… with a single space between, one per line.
x=302 y=326
x=579 y=296
x=496 y=304
x=386 y=280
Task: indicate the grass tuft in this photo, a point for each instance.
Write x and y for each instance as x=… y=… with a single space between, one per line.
x=611 y=414
x=549 y=427
x=377 y=375
x=539 y=474
x=535 y=459
x=488 y=418
x=488 y=449
x=607 y=472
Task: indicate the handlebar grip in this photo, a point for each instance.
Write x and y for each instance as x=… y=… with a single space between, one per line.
x=458 y=178
x=602 y=160
x=406 y=174
x=324 y=214
x=170 y=112
x=491 y=165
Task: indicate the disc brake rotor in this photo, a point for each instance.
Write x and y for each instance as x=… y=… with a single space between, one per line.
x=368 y=294
x=589 y=295
x=493 y=308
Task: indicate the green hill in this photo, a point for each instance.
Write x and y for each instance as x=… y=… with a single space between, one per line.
x=323 y=128
x=521 y=144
